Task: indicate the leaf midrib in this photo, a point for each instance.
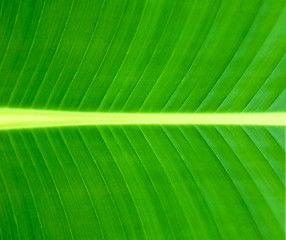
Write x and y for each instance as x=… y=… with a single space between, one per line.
x=28 y=118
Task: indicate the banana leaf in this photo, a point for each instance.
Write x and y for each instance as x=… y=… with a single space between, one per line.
x=145 y=180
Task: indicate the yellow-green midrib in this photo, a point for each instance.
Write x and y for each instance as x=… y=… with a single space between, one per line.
x=21 y=118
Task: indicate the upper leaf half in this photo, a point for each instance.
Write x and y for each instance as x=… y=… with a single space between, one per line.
x=144 y=56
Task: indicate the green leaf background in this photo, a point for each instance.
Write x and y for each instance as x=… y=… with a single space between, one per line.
x=151 y=181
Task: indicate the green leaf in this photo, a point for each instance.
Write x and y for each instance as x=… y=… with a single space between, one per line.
x=142 y=119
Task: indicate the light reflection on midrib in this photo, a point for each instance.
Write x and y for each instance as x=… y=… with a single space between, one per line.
x=11 y=118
